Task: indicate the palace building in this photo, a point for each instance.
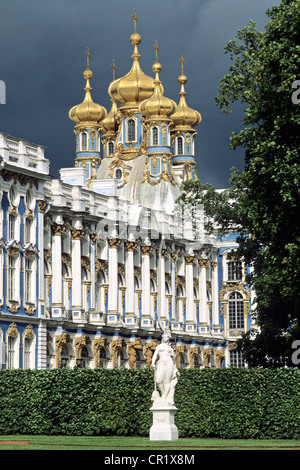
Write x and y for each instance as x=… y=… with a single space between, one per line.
x=96 y=264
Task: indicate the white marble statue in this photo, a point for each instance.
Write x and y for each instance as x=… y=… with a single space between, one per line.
x=165 y=371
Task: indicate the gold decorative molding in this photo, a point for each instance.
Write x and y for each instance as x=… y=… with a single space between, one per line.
x=220 y=354
x=130 y=246
x=93 y=237
x=48 y=256
x=116 y=345
x=114 y=242
x=86 y=263
x=99 y=345
x=133 y=347
x=193 y=352
x=41 y=206
x=189 y=259
x=146 y=249
x=202 y=262
x=77 y=233
x=79 y=344
x=66 y=259
x=179 y=351
x=207 y=353
x=29 y=310
x=101 y=264
x=59 y=342
x=58 y=229
x=13 y=330
x=29 y=333
x=14 y=307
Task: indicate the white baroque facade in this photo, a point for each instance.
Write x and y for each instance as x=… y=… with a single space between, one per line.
x=95 y=264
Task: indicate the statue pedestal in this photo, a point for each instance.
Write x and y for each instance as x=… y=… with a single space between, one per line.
x=163 y=428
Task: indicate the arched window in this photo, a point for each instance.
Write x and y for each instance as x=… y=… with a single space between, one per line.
x=84 y=141
x=154 y=136
x=98 y=292
x=110 y=148
x=236 y=310
x=179 y=146
x=118 y=174
x=64 y=356
x=131 y=130
x=28 y=285
x=11 y=352
x=84 y=356
x=236 y=359
x=234 y=271
x=103 y=359
x=28 y=353
x=12 y=222
x=12 y=277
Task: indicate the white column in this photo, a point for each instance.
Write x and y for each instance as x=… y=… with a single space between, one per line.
x=42 y=346
x=203 y=320
x=40 y=244
x=57 y=230
x=190 y=320
x=76 y=269
x=173 y=285
x=113 y=293
x=215 y=294
x=162 y=314
x=93 y=270
x=130 y=297
x=146 y=306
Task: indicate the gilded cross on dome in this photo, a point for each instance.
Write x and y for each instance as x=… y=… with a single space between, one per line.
x=182 y=62
x=114 y=69
x=135 y=19
x=88 y=55
x=156 y=49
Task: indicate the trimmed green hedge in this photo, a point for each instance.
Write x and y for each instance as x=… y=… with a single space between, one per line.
x=224 y=403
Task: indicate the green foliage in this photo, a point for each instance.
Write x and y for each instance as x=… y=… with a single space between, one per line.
x=225 y=403
x=262 y=202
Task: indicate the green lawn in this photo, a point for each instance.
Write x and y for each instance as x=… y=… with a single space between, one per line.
x=23 y=442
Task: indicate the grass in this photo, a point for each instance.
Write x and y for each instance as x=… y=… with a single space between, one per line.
x=107 y=443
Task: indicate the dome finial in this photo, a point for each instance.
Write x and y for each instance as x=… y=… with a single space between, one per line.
x=88 y=55
x=135 y=19
x=135 y=38
x=182 y=62
x=114 y=69
x=156 y=66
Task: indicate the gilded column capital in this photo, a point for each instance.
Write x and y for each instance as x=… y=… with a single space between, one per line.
x=58 y=229
x=214 y=264
x=114 y=242
x=42 y=206
x=130 y=246
x=93 y=237
x=202 y=262
x=146 y=249
x=77 y=233
x=189 y=259
x=164 y=252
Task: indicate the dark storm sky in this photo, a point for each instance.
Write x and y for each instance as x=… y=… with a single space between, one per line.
x=42 y=58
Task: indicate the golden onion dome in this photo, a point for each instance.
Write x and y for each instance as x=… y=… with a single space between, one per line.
x=135 y=86
x=87 y=112
x=184 y=118
x=157 y=105
x=110 y=123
